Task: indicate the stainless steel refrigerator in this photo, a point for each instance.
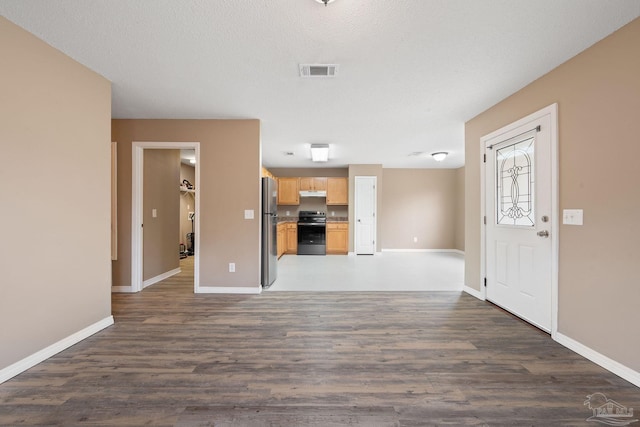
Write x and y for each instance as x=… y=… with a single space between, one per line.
x=269 y=232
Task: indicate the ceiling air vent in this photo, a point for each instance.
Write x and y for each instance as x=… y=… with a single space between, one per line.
x=318 y=70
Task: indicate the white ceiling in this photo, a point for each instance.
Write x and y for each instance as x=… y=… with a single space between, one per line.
x=411 y=72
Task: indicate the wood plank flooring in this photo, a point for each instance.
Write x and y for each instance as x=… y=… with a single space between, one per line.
x=309 y=359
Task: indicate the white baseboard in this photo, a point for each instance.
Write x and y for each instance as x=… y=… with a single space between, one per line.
x=424 y=250
x=610 y=365
x=123 y=289
x=473 y=292
x=160 y=277
x=42 y=355
x=229 y=290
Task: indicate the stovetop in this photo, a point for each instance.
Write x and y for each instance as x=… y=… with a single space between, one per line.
x=311 y=216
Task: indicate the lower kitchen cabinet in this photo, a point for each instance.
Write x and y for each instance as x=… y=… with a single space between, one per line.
x=281 y=239
x=337 y=238
x=292 y=238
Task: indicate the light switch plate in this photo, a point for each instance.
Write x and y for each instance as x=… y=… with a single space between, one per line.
x=248 y=214
x=572 y=216
x=154 y=213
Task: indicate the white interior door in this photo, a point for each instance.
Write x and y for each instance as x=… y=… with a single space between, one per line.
x=365 y=215
x=518 y=208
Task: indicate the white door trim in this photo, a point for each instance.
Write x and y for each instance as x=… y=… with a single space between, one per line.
x=375 y=212
x=552 y=111
x=137 y=168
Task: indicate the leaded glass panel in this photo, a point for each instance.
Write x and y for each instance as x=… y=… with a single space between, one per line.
x=515 y=184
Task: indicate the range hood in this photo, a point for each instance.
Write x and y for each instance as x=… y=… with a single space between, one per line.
x=313 y=194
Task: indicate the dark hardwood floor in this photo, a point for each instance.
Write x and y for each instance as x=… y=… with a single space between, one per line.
x=309 y=359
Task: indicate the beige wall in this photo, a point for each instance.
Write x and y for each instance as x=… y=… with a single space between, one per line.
x=366 y=170
x=55 y=151
x=418 y=203
x=162 y=193
x=598 y=96
x=229 y=184
x=187 y=202
x=459 y=227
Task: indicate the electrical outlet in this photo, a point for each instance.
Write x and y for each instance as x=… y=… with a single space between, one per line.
x=288 y=213
x=154 y=213
x=248 y=214
x=333 y=213
x=232 y=267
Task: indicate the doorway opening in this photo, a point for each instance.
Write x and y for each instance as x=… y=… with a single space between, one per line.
x=139 y=210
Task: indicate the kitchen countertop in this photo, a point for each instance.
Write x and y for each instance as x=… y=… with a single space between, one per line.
x=335 y=219
x=338 y=219
x=287 y=219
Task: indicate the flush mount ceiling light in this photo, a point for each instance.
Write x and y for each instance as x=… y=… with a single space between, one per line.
x=439 y=156
x=326 y=2
x=319 y=152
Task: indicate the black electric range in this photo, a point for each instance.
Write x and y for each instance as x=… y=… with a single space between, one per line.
x=312 y=233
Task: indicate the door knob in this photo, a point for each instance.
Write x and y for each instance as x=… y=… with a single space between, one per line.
x=543 y=233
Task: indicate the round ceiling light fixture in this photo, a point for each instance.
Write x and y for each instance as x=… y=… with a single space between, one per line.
x=325 y=2
x=439 y=156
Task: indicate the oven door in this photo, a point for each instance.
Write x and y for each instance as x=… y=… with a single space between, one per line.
x=312 y=238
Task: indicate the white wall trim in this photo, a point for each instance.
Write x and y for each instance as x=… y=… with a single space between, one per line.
x=456 y=251
x=160 y=277
x=229 y=290
x=473 y=292
x=123 y=289
x=607 y=363
x=42 y=355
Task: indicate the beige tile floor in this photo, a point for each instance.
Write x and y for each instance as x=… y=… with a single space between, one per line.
x=388 y=271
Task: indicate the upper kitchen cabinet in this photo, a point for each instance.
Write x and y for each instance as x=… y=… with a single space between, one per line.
x=337 y=191
x=288 y=191
x=266 y=173
x=313 y=184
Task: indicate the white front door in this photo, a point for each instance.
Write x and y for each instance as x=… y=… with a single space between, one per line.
x=519 y=212
x=365 y=215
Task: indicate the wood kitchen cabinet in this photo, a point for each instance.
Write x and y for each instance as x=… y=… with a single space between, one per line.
x=281 y=239
x=292 y=238
x=313 y=184
x=288 y=191
x=267 y=174
x=337 y=191
x=337 y=238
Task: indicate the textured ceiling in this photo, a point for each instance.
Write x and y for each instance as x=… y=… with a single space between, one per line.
x=411 y=72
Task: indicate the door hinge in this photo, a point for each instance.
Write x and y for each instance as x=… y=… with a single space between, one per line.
x=485 y=220
x=485 y=282
x=484 y=156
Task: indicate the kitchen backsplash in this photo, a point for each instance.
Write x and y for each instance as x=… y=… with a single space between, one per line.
x=314 y=204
